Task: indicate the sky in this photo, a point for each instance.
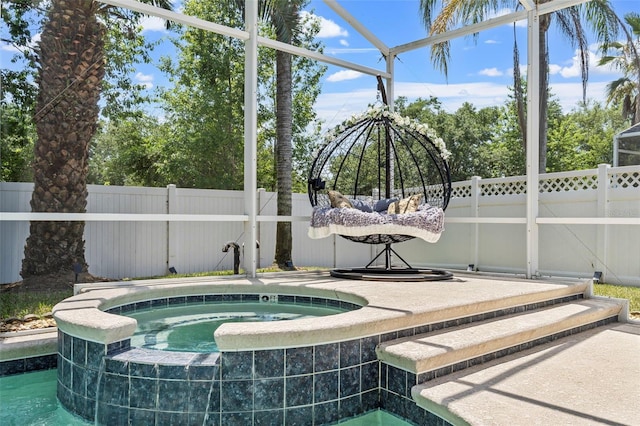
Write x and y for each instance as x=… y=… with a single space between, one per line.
x=480 y=68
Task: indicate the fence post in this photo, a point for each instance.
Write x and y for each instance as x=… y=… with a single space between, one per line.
x=261 y=195
x=475 y=212
x=172 y=232
x=602 y=203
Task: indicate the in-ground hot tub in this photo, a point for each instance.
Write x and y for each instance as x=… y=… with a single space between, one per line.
x=293 y=370
x=305 y=371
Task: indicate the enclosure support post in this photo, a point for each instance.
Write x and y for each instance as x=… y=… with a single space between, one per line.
x=250 y=136
x=533 y=140
x=602 y=200
x=172 y=232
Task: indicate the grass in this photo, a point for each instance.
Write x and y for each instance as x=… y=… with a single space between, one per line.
x=19 y=304
x=622 y=292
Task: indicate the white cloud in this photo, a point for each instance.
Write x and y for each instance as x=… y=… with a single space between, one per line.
x=334 y=108
x=144 y=79
x=491 y=72
x=490 y=41
x=344 y=43
x=153 y=23
x=328 y=28
x=344 y=75
x=572 y=69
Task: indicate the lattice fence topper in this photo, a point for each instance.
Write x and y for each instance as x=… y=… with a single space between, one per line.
x=625 y=180
x=461 y=191
x=515 y=187
x=571 y=183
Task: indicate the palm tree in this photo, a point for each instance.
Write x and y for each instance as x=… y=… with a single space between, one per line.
x=284 y=17
x=626 y=89
x=71 y=71
x=597 y=13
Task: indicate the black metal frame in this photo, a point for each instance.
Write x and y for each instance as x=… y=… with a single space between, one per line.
x=378 y=154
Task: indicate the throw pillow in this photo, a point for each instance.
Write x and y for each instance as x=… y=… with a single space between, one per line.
x=383 y=205
x=339 y=201
x=406 y=205
x=361 y=205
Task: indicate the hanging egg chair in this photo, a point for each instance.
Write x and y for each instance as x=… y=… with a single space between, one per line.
x=381 y=178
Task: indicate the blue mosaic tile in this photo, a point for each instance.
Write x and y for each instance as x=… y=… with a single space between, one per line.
x=66 y=346
x=173 y=395
x=325 y=386
x=327 y=357
x=195 y=300
x=299 y=361
x=250 y=297
x=116 y=367
x=370 y=400
x=299 y=390
x=268 y=394
x=349 y=381
x=349 y=353
x=397 y=380
x=64 y=373
x=204 y=372
x=143 y=393
x=142 y=417
x=177 y=301
x=9 y=368
x=173 y=372
x=236 y=419
x=268 y=418
x=317 y=301
x=159 y=303
x=269 y=363
x=92 y=381
x=233 y=298
x=143 y=370
x=204 y=396
x=368 y=348
x=171 y=418
x=299 y=416
x=303 y=300
x=350 y=407
x=326 y=413
x=143 y=305
x=112 y=415
x=79 y=351
x=210 y=419
x=236 y=395
x=370 y=376
x=213 y=298
x=78 y=380
x=37 y=363
x=114 y=389
x=282 y=298
x=237 y=365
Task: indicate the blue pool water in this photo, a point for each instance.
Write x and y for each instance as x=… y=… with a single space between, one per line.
x=190 y=328
x=30 y=400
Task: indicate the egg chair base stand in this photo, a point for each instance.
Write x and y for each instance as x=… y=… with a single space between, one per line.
x=404 y=273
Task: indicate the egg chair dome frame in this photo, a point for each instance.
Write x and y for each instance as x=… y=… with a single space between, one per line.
x=374 y=159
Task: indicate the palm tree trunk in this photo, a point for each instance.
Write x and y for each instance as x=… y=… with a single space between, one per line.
x=69 y=81
x=283 y=158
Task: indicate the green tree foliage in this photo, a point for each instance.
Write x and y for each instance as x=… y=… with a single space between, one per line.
x=465 y=132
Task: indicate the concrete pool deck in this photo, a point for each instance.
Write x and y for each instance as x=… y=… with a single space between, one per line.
x=586 y=378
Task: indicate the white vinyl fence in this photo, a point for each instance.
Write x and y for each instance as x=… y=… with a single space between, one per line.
x=120 y=249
